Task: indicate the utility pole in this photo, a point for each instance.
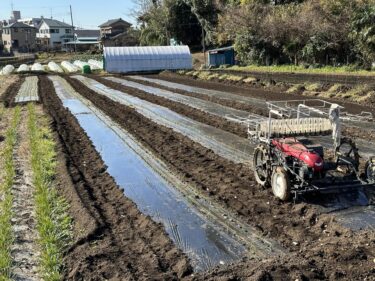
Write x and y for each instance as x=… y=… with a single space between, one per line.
x=204 y=45
x=74 y=38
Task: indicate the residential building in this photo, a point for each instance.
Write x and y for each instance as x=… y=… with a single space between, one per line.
x=19 y=37
x=34 y=22
x=112 y=32
x=53 y=34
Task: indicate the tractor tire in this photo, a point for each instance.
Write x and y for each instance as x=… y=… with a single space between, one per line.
x=262 y=167
x=281 y=184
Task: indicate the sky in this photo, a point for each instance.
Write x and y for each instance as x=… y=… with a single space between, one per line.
x=86 y=13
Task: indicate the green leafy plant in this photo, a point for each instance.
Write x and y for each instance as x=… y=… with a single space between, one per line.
x=53 y=222
x=6 y=198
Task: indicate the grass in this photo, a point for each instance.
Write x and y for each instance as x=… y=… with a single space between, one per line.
x=250 y=80
x=53 y=223
x=300 y=69
x=234 y=78
x=6 y=232
x=313 y=87
x=295 y=88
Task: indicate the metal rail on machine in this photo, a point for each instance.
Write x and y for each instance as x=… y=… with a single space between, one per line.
x=317 y=106
x=290 y=110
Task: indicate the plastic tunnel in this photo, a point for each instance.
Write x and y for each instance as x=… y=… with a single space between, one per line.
x=137 y=59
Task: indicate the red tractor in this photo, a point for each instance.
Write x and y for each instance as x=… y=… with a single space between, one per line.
x=288 y=159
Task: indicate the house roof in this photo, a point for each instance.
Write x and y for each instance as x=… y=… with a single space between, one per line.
x=87 y=33
x=113 y=21
x=55 y=23
x=18 y=25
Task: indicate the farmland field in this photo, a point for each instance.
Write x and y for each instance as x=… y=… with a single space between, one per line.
x=110 y=177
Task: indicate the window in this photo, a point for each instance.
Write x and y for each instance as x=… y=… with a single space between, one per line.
x=16 y=30
x=54 y=31
x=68 y=31
x=5 y=43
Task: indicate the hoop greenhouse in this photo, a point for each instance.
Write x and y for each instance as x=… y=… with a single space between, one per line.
x=137 y=59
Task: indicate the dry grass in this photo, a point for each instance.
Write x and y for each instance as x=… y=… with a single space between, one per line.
x=295 y=88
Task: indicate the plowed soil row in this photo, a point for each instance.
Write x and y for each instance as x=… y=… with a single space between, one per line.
x=114 y=240
x=251 y=91
x=232 y=127
x=8 y=97
x=319 y=246
x=196 y=114
x=225 y=102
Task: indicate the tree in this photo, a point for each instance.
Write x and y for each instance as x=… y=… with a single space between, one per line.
x=166 y=19
x=363 y=33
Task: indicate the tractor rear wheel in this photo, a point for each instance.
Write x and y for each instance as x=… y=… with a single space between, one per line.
x=281 y=184
x=262 y=168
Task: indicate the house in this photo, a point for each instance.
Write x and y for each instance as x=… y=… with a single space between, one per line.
x=34 y=22
x=112 y=32
x=19 y=37
x=84 y=39
x=53 y=34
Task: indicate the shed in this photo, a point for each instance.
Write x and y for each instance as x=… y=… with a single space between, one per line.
x=137 y=59
x=221 y=56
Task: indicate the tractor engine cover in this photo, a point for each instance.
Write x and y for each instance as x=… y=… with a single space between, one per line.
x=292 y=147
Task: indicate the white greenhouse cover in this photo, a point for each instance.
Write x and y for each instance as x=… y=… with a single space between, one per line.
x=80 y=64
x=68 y=66
x=23 y=68
x=54 y=67
x=7 y=70
x=95 y=64
x=134 y=59
x=38 y=67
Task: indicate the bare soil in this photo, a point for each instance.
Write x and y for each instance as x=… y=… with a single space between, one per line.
x=7 y=81
x=25 y=250
x=11 y=92
x=319 y=247
x=115 y=241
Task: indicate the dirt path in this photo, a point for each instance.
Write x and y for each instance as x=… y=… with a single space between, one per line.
x=25 y=249
x=117 y=242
